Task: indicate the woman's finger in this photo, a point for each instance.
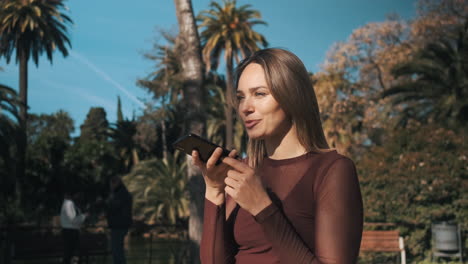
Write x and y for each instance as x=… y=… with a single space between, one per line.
x=233 y=154
x=196 y=158
x=231 y=182
x=214 y=157
x=235 y=175
x=198 y=162
x=236 y=164
x=230 y=191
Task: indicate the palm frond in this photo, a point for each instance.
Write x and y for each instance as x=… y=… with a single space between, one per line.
x=229 y=28
x=434 y=83
x=33 y=28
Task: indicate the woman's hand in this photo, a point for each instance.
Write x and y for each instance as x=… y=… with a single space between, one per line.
x=213 y=174
x=245 y=187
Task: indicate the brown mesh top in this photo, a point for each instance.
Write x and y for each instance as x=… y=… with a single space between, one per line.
x=315 y=217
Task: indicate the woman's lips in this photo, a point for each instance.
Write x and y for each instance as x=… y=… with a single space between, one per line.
x=251 y=123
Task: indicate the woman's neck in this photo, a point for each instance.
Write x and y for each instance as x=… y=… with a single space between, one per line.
x=284 y=146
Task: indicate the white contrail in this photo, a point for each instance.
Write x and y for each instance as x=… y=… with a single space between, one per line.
x=105 y=76
x=84 y=94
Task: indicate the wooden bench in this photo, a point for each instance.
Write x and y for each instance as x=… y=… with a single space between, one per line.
x=383 y=241
x=32 y=246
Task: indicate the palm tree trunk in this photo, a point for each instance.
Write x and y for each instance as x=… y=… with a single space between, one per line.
x=163 y=137
x=228 y=110
x=192 y=68
x=135 y=157
x=22 y=137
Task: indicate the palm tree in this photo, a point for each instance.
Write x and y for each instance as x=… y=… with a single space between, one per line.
x=159 y=189
x=229 y=29
x=9 y=117
x=166 y=82
x=31 y=27
x=192 y=75
x=122 y=133
x=215 y=106
x=436 y=82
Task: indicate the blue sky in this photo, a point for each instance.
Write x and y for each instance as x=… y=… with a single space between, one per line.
x=109 y=37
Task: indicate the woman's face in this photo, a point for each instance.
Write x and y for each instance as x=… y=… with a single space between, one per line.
x=262 y=115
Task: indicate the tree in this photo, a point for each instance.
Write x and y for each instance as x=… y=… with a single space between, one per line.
x=122 y=134
x=96 y=126
x=192 y=74
x=215 y=109
x=49 y=138
x=159 y=190
x=435 y=82
x=9 y=126
x=229 y=29
x=365 y=61
x=93 y=158
x=165 y=83
x=435 y=18
x=119 y=110
x=147 y=136
x=415 y=178
x=342 y=115
x=31 y=27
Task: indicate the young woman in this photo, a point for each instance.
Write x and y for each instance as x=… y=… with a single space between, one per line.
x=71 y=220
x=293 y=200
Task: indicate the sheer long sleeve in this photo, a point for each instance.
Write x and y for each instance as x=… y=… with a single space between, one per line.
x=217 y=244
x=337 y=225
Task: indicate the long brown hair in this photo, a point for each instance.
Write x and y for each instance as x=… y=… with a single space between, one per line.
x=290 y=85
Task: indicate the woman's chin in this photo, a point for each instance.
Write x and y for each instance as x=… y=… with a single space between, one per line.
x=255 y=136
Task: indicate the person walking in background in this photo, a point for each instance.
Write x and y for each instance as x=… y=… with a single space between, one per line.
x=71 y=220
x=119 y=217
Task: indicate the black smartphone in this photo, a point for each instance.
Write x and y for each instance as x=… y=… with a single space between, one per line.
x=205 y=148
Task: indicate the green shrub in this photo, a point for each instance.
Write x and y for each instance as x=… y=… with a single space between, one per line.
x=417 y=177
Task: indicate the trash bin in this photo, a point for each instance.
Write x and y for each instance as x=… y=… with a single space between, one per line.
x=446 y=240
x=445 y=237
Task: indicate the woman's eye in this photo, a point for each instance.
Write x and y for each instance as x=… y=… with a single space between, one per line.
x=260 y=94
x=239 y=97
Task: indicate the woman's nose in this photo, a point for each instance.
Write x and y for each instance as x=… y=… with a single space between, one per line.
x=246 y=106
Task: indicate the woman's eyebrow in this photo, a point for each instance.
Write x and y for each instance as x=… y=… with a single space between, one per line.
x=257 y=87
x=253 y=89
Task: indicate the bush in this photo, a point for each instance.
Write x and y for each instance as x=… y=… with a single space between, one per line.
x=417 y=177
